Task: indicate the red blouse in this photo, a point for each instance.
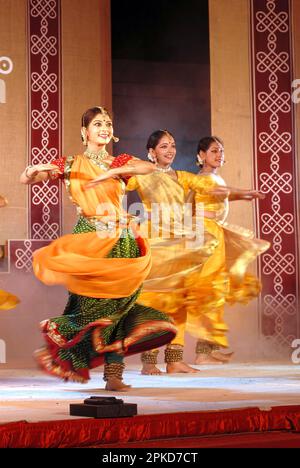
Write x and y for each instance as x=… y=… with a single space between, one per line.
x=118 y=161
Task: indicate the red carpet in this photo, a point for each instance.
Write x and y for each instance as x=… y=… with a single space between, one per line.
x=241 y=427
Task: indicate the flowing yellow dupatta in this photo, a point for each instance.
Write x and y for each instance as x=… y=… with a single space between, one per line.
x=79 y=261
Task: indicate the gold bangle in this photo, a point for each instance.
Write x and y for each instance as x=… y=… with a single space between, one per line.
x=28 y=167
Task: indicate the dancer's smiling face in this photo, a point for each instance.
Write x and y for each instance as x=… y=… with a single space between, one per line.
x=165 y=151
x=100 y=130
x=213 y=157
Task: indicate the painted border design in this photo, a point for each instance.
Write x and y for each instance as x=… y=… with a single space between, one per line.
x=45 y=114
x=275 y=167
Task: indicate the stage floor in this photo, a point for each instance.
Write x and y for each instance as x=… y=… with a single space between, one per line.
x=30 y=395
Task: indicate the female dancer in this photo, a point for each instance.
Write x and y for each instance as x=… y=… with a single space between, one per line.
x=223 y=278
x=172 y=259
x=7 y=300
x=102 y=264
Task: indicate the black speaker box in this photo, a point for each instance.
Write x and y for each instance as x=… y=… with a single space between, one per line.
x=103 y=407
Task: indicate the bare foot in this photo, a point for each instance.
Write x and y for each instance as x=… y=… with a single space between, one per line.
x=150 y=369
x=207 y=359
x=116 y=385
x=223 y=357
x=180 y=368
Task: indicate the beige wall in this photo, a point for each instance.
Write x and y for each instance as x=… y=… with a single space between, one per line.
x=86 y=81
x=232 y=120
x=86 y=72
x=13 y=120
x=231 y=94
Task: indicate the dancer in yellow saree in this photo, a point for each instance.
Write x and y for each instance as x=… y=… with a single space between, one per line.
x=102 y=264
x=195 y=296
x=223 y=278
x=163 y=194
x=7 y=300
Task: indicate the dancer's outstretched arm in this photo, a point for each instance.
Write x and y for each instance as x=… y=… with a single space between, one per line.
x=235 y=194
x=133 y=167
x=39 y=173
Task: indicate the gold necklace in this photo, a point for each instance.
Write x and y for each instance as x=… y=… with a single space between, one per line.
x=164 y=169
x=97 y=158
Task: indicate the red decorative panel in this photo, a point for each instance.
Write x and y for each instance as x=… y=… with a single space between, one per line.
x=44 y=113
x=275 y=167
x=21 y=253
x=44 y=126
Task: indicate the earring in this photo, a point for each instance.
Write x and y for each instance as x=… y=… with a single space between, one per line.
x=151 y=158
x=83 y=138
x=115 y=139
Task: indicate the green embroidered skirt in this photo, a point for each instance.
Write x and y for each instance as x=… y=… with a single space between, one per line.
x=94 y=330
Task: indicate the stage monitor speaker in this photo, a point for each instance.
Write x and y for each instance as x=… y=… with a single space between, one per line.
x=103 y=407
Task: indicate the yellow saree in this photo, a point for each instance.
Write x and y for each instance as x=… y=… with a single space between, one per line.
x=223 y=278
x=175 y=254
x=7 y=300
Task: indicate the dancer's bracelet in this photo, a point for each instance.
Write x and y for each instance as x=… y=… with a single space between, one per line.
x=26 y=171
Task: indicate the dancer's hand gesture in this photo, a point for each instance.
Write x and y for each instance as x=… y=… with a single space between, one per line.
x=33 y=171
x=39 y=173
